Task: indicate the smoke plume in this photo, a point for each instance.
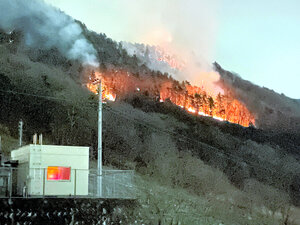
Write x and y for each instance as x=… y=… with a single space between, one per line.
x=190 y=24
x=45 y=26
x=187 y=68
x=187 y=29
x=272 y=110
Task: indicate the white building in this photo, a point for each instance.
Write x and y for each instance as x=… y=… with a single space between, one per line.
x=52 y=170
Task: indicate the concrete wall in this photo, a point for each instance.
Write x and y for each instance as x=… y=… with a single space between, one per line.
x=21 y=154
x=22 y=174
x=42 y=156
x=37 y=158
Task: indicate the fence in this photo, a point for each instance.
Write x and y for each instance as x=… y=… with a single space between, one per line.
x=82 y=183
x=115 y=184
x=5 y=181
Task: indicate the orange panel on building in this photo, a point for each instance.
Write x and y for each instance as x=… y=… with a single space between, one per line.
x=58 y=173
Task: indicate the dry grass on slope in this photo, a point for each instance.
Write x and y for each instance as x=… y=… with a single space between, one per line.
x=162 y=204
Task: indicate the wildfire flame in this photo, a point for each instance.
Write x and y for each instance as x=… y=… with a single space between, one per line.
x=193 y=99
x=93 y=86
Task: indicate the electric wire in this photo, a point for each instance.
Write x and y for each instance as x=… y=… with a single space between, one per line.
x=156 y=129
x=152 y=127
x=186 y=139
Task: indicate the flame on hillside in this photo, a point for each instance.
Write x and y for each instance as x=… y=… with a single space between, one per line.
x=193 y=99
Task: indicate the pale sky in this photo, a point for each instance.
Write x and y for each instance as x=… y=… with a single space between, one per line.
x=258 y=39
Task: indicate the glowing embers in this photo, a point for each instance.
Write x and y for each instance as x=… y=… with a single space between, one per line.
x=194 y=99
x=109 y=97
x=106 y=92
x=58 y=173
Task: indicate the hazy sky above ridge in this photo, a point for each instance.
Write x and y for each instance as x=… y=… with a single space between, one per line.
x=258 y=39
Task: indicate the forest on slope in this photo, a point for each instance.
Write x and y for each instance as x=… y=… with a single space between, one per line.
x=48 y=92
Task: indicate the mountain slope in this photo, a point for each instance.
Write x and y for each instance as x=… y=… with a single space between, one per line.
x=273 y=111
x=213 y=159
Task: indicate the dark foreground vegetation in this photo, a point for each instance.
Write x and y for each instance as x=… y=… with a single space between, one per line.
x=65 y=211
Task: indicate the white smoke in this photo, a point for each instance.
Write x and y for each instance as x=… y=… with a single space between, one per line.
x=188 y=24
x=183 y=66
x=149 y=56
x=187 y=29
x=46 y=27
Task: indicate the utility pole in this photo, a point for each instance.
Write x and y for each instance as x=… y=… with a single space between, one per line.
x=0 y=151
x=20 y=132
x=100 y=142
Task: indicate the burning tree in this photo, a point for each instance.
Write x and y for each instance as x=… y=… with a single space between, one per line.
x=191 y=98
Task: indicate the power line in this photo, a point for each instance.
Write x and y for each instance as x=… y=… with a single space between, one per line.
x=33 y=95
x=156 y=129
x=227 y=155
x=66 y=100
x=150 y=126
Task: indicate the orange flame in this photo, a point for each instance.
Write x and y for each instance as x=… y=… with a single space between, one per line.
x=191 y=98
x=93 y=86
x=196 y=100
